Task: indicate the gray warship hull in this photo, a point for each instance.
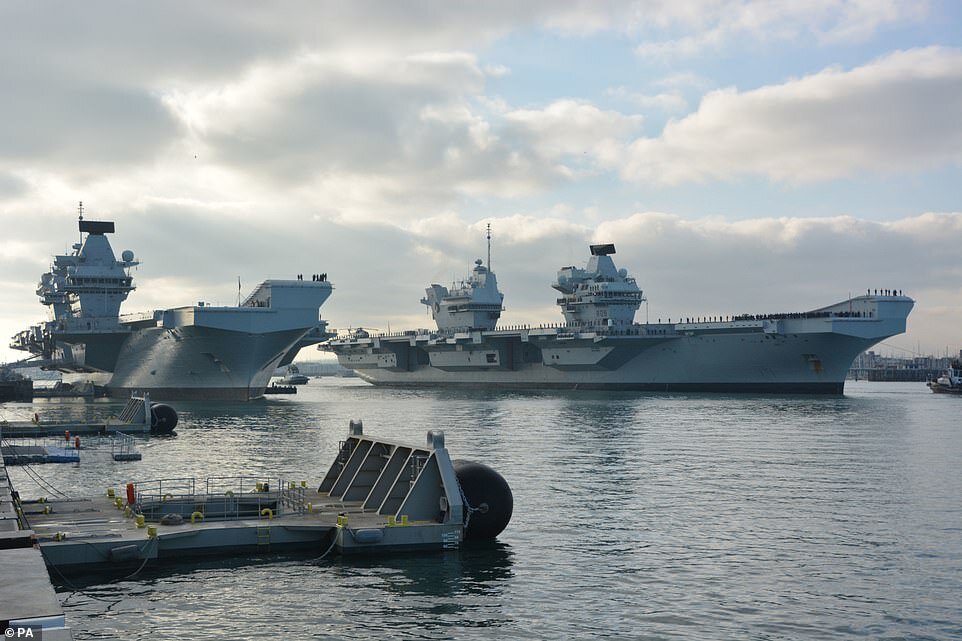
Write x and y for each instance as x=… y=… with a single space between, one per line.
x=199 y=363
x=807 y=353
x=196 y=352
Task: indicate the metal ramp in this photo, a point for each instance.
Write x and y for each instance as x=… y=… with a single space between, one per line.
x=394 y=480
x=137 y=410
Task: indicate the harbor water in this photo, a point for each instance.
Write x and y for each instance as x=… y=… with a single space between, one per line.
x=636 y=516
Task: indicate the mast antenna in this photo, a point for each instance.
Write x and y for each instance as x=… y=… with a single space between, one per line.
x=489 y=246
x=80 y=209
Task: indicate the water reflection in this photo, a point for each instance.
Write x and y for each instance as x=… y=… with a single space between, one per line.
x=659 y=511
x=338 y=598
x=477 y=569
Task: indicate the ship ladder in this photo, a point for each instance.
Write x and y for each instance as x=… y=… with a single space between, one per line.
x=264 y=536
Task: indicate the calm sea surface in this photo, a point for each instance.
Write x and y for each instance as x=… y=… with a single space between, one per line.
x=637 y=516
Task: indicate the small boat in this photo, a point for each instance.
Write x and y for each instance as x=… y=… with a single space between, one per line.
x=950 y=382
x=294 y=377
x=274 y=388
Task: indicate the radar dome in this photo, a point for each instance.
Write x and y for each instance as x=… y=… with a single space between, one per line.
x=127 y=255
x=622 y=272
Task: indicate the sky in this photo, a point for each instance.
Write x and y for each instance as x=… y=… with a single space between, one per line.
x=744 y=157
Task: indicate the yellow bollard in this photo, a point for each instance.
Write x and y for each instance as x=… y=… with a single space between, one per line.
x=46 y=509
x=196 y=515
x=303 y=483
x=259 y=486
x=391 y=521
x=140 y=520
x=60 y=536
x=127 y=512
x=42 y=500
x=310 y=507
x=110 y=492
x=152 y=531
x=118 y=502
x=404 y=519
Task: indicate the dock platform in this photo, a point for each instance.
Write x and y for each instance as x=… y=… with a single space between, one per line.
x=377 y=497
x=136 y=417
x=27 y=599
x=29 y=429
x=35 y=454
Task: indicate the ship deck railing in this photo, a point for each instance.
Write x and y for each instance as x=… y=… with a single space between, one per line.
x=224 y=498
x=122 y=447
x=801 y=315
x=635 y=329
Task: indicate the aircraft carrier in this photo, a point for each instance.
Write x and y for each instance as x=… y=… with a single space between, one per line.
x=201 y=351
x=599 y=346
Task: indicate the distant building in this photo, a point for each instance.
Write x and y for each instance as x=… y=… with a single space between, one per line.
x=874 y=367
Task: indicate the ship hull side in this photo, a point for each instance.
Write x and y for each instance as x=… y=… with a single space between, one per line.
x=199 y=363
x=751 y=362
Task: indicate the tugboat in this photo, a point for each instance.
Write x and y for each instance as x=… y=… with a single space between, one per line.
x=294 y=377
x=950 y=382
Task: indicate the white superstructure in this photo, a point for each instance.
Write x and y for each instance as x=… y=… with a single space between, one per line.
x=600 y=295
x=474 y=303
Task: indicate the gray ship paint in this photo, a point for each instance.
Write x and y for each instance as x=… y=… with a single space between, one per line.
x=601 y=347
x=195 y=352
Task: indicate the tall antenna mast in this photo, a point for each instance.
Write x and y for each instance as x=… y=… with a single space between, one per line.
x=80 y=209
x=489 y=246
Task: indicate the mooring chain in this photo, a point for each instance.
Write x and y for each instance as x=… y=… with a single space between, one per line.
x=469 y=510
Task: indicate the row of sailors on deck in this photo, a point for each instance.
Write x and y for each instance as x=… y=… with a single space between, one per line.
x=317 y=278
x=885 y=292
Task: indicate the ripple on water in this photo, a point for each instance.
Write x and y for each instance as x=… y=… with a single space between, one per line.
x=637 y=516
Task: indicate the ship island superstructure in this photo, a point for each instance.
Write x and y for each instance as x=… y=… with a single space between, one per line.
x=194 y=352
x=600 y=346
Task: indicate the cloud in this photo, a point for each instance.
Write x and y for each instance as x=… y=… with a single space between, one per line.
x=897 y=113
x=570 y=128
x=91 y=89
x=392 y=130
x=708 y=25
x=700 y=267
x=365 y=140
x=74 y=124
x=669 y=101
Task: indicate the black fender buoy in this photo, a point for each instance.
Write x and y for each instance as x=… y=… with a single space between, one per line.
x=163 y=418
x=489 y=500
